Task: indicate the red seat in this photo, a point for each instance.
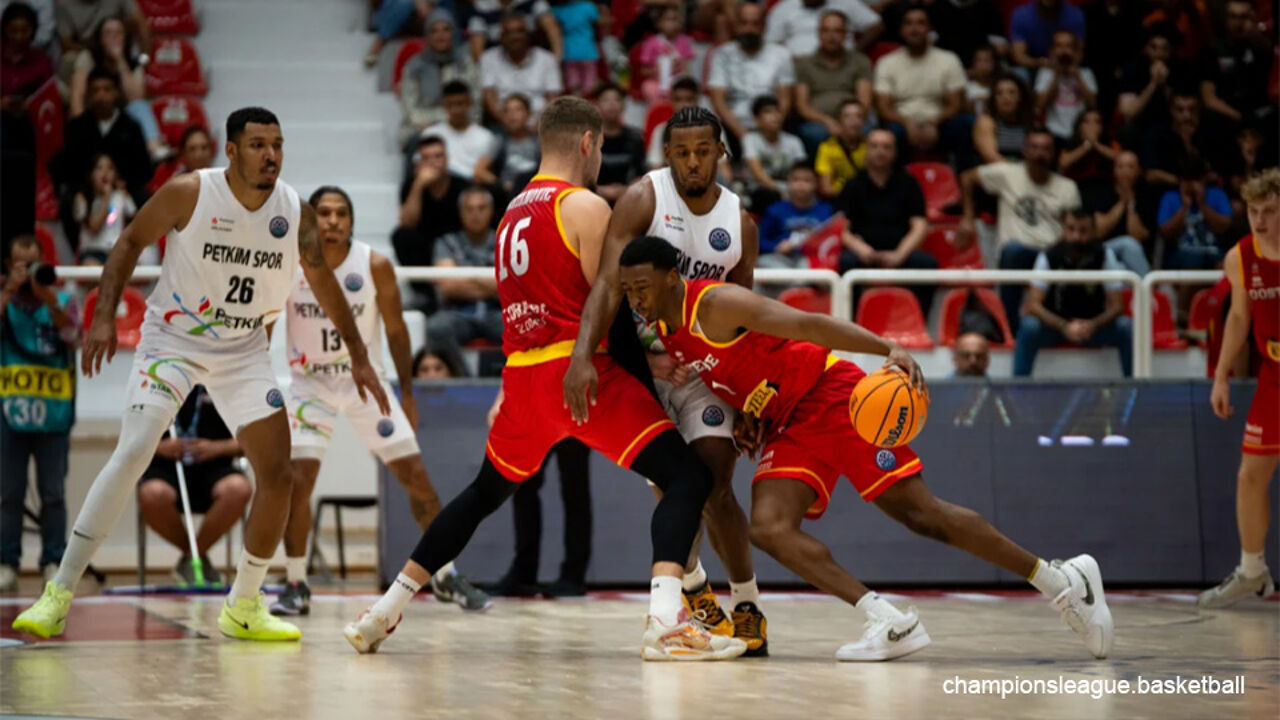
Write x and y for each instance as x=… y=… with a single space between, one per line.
x=894 y=313
x=1164 y=331
x=657 y=115
x=175 y=69
x=48 y=246
x=1206 y=309
x=823 y=245
x=940 y=242
x=941 y=189
x=175 y=114
x=170 y=17
x=411 y=47
x=129 y=315
x=807 y=299
x=953 y=304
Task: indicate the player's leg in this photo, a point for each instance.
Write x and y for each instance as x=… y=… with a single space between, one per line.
x=573 y=459
x=1250 y=578
x=295 y=599
x=521 y=578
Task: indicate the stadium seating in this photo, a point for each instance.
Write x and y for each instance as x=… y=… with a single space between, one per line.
x=941 y=189
x=940 y=242
x=176 y=113
x=894 y=313
x=128 y=315
x=1206 y=308
x=48 y=247
x=411 y=47
x=1164 y=331
x=657 y=115
x=807 y=299
x=175 y=69
x=170 y=17
x=953 y=305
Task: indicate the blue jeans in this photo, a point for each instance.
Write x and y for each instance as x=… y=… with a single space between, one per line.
x=812 y=134
x=1193 y=257
x=50 y=451
x=1033 y=335
x=955 y=135
x=140 y=111
x=1130 y=253
x=1015 y=257
x=391 y=17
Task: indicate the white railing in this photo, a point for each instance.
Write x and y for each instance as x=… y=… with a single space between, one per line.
x=1165 y=277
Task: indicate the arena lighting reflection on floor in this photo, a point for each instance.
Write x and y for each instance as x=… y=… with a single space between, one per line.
x=98 y=621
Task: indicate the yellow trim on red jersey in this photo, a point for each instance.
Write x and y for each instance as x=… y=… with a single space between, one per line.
x=564 y=237
x=521 y=473
x=913 y=465
x=693 y=318
x=546 y=353
x=624 y=460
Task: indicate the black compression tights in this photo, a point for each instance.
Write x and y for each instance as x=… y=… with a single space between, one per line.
x=685 y=483
x=452 y=529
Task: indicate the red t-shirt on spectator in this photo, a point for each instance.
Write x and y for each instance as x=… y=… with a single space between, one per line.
x=25 y=76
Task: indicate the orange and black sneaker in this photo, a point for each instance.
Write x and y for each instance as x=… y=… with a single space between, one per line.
x=750 y=627
x=686 y=640
x=704 y=607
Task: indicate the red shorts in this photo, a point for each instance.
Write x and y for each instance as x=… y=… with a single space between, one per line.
x=819 y=444
x=1262 y=428
x=533 y=418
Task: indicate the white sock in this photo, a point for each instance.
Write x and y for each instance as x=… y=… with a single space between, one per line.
x=391 y=605
x=295 y=569
x=744 y=592
x=1049 y=580
x=694 y=580
x=1253 y=564
x=445 y=571
x=665 y=602
x=250 y=573
x=875 y=606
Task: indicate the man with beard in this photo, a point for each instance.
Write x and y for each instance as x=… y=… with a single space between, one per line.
x=745 y=69
x=793 y=24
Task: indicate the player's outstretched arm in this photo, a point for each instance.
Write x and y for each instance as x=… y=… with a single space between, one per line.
x=1234 y=335
x=325 y=287
x=744 y=273
x=388 y=296
x=169 y=208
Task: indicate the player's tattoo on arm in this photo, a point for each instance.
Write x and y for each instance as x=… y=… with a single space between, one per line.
x=309 y=251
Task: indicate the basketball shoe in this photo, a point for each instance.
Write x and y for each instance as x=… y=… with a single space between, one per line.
x=885 y=637
x=294 y=600
x=454 y=587
x=687 y=640
x=1084 y=604
x=702 y=604
x=48 y=617
x=249 y=619
x=1235 y=588
x=750 y=627
x=368 y=631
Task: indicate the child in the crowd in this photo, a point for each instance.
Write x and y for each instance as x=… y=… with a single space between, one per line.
x=102 y=210
x=769 y=153
x=786 y=225
x=983 y=69
x=664 y=56
x=841 y=157
x=514 y=158
x=577 y=20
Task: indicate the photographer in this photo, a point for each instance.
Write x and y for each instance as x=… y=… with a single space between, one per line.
x=38 y=337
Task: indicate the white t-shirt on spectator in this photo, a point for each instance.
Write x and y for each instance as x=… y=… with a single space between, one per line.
x=795 y=26
x=1109 y=262
x=746 y=78
x=918 y=86
x=1028 y=214
x=1068 y=104
x=464 y=147
x=776 y=158
x=535 y=78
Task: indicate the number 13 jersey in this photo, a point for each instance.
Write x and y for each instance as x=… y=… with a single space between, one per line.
x=315 y=347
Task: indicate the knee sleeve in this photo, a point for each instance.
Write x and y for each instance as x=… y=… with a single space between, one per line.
x=452 y=529
x=686 y=484
x=140 y=433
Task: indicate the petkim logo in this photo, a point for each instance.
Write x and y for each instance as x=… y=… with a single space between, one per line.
x=353 y=282
x=386 y=427
x=886 y=460
x=279 y=226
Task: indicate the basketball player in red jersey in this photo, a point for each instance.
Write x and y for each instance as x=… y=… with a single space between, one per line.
x=1253 y=269
x=774 y=364
x=548 y=249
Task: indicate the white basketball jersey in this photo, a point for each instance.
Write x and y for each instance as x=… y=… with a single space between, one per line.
x=227 y=273
x=315 y=347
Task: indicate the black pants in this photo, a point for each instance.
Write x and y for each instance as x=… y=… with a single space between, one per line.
x=917 y=260
x=575 y=490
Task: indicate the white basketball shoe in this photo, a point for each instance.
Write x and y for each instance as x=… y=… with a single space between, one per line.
x=1083 y=604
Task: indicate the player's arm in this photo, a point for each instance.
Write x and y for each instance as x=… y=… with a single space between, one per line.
x=325 y=287
x=171 y=207
x=744 y=273
x=387 y=293
x=1235 y=333
x=726 y=308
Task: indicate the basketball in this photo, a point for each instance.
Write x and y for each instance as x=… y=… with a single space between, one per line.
x=885 y=410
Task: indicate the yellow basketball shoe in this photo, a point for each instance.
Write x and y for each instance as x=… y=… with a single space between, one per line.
x=750 y=627
x=704 y=607
x=48 y=617
x=249 y=619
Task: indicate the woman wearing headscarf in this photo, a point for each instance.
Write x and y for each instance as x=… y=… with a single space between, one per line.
x=441 y=61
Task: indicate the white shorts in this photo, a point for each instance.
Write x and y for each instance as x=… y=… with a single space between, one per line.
x=236 y=372
x=315 y=403
x=697 y=412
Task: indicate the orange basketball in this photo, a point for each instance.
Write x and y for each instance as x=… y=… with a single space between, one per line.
x=885 y=410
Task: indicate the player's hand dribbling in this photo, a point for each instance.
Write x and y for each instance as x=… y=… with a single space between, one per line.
x=902 y=359
x=580 y=386
x=99 y=342
x=1220 y=399
x=367 y=382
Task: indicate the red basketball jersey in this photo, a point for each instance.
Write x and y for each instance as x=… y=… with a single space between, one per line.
x=760 y=374
x=1261 y=279
x=540 y=282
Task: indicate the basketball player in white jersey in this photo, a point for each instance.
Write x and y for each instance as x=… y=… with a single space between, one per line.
x=235 y=237
x=320 y=389
x=683 y=204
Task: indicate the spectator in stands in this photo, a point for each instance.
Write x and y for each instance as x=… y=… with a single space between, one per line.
x=102 y=128
x=442 y=61
x=1234 y=86
x=920 y=94
x=513 y=160
x=1088 y=156
x=885 y=209
x=965 y=26
x=1123 y=212
x=1000 y=133
x=1168 y=148
x=664 y=56
x=1030 y=199
x=488 y=26
x=769 y=153
x=843 y=155
x=786 y=225
x=1148 y=84
x=517 y=66
x=431 y=364
x=1088 y=315
x=1064 y=90
x=828 y=78
x=1249 y=160
x=389 y=20
x=429 y=199
x=112 y=50
x=43 y=21
x=1031 y=29
x=466 y=142
x=1190 y=19
x=684 y=93
x=39 y=333
x=971 y=356
x=1194 y=219
x=577 y=20
x=78 y=20
x=215 y=486
x=23 y=66
x=195 y=152
x=746 y=69
x=622 y=156
x=23 y=70
x=1111 y=26
x=469 y=308
x=102 y=209
x=794 y=24
x=981 y=85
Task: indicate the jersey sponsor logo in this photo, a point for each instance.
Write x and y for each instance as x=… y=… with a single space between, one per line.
x=353 y=282
x=523 y=317
x=202 y=316
x=225 y=225
x=699 y=270
x=760 y=397
x=313 y=311
x=386 y=427
x=720 y=239
x=886 y=460
x=1266 y=293
x=706 y=364
x=278 y=226
x=338 y=366
x=275 y=398
x=712 y=416
x=673 y=223
x=718 y=386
